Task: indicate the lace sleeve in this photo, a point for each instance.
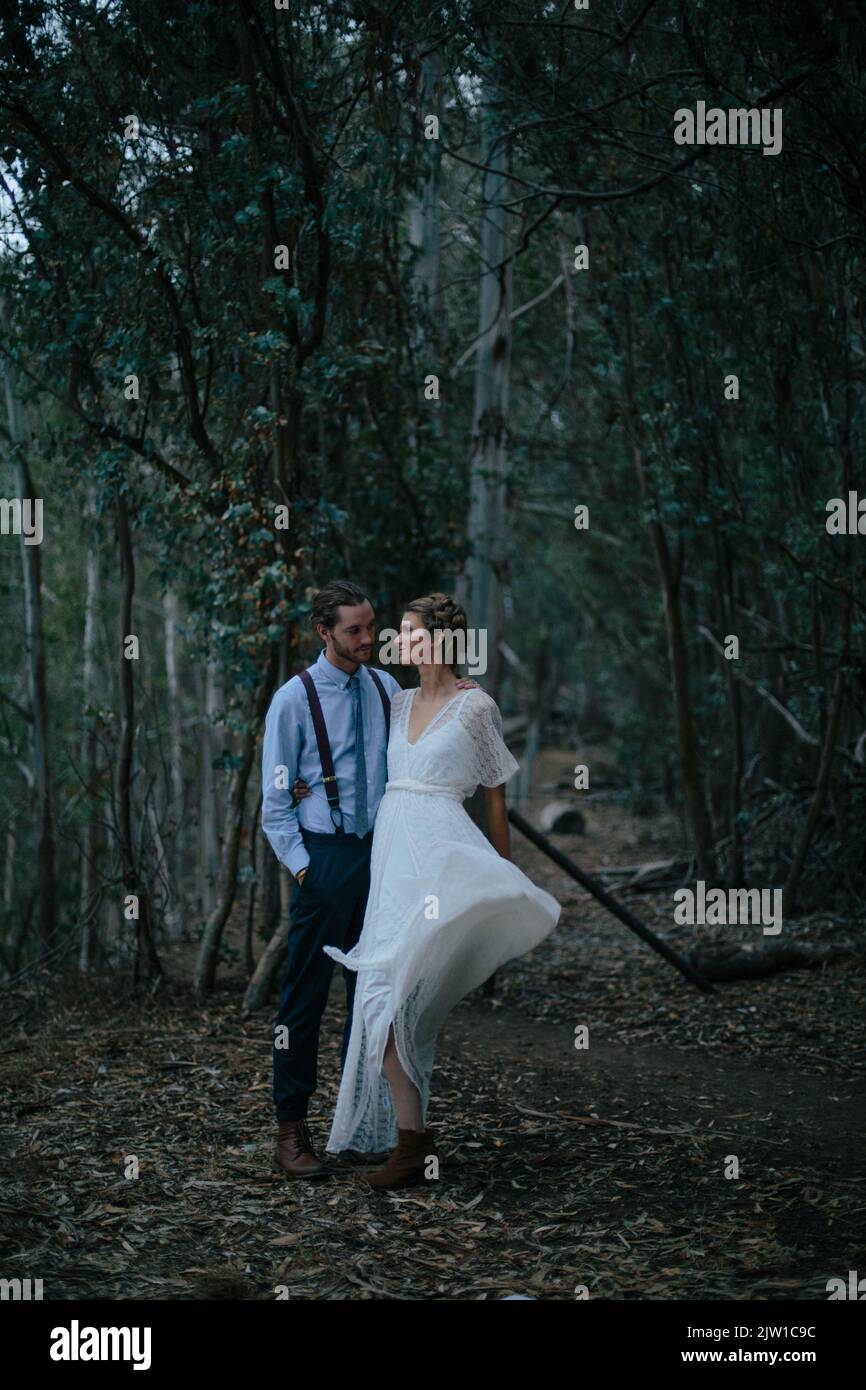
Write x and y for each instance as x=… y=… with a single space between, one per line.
x=493 y=764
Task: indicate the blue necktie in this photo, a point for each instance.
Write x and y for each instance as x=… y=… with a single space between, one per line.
x=361 y=826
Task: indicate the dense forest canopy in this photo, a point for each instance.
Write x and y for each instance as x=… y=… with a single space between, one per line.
x=292 y=292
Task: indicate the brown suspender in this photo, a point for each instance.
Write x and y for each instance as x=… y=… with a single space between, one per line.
x=386 y=704
x=324 y=744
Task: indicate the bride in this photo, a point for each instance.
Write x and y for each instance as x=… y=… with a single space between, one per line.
x=446 y=907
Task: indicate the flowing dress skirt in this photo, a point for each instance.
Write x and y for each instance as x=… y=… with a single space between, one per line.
x=445 y=911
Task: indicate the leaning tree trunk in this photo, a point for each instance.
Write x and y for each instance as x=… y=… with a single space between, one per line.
x=480 y=586
x=35 y=651
x=133 y=882
x=208 y=955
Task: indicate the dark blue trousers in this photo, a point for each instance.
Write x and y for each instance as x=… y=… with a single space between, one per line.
x=327 y=910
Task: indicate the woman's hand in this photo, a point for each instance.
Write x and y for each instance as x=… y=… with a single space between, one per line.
x=467 y=683
x=299 y=791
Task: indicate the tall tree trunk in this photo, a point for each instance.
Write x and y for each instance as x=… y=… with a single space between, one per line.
x=424 y=236
x=88 y=916
x=726 y=617
x=133 y=881
x=249 y=955
x=670 y=568
x=9 y=866
x=31 y=564
x=176 y=808
x=480 y=585
x=209 y=853
x=428 y=308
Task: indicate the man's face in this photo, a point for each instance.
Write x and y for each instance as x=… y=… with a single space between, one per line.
x=354 y=633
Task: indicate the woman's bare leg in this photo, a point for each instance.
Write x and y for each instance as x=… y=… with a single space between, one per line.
x=407 y=1101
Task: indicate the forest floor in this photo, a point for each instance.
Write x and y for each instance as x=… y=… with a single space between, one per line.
x=607 y=1169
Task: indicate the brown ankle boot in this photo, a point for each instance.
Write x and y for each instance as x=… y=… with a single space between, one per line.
x=408 y=1160
x=294 y=1154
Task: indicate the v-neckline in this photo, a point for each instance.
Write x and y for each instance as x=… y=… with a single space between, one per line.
x=410 y=706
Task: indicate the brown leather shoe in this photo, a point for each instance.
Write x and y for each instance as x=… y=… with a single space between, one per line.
x=294 y=1154
x=407 y=1162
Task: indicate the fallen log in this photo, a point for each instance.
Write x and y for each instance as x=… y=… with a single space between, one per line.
x=592 y=886
x=744 y=962
x=662 y=873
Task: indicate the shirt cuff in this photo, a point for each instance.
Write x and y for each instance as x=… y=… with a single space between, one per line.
x=298 y=859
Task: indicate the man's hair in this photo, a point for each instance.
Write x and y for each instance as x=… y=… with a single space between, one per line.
x=328 y=601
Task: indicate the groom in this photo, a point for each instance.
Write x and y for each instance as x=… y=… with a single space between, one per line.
x=327 y=727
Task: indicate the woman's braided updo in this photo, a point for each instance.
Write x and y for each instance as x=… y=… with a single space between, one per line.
x=439 y=613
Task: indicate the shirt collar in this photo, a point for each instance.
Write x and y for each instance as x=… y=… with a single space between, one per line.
x=340 y=678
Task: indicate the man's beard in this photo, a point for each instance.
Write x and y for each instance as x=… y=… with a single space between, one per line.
x=346 y=653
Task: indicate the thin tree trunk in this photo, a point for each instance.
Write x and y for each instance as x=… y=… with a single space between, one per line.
x=35 y=648
x=670 y=574
x=88 y=917
x=827 y=754
x=265 y=973
x=249 y=957
x=693 y=787
x=271 y=896
x=163 y=870
x=133 y=884
x=206 y=963
x=176 y=817
x=210 y=841
x=725 y=588
x=9 y=866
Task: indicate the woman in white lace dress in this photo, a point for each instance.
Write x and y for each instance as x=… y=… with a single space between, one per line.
x=446 y=906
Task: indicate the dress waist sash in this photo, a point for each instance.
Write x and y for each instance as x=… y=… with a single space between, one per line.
x=408 y=784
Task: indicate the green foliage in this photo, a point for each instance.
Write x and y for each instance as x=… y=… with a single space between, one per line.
x=154 y=258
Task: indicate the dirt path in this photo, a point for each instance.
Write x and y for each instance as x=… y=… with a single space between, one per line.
x=606 y=1169
x=651 y=1086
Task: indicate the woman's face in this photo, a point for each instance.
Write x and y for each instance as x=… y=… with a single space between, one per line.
x=410 y=653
